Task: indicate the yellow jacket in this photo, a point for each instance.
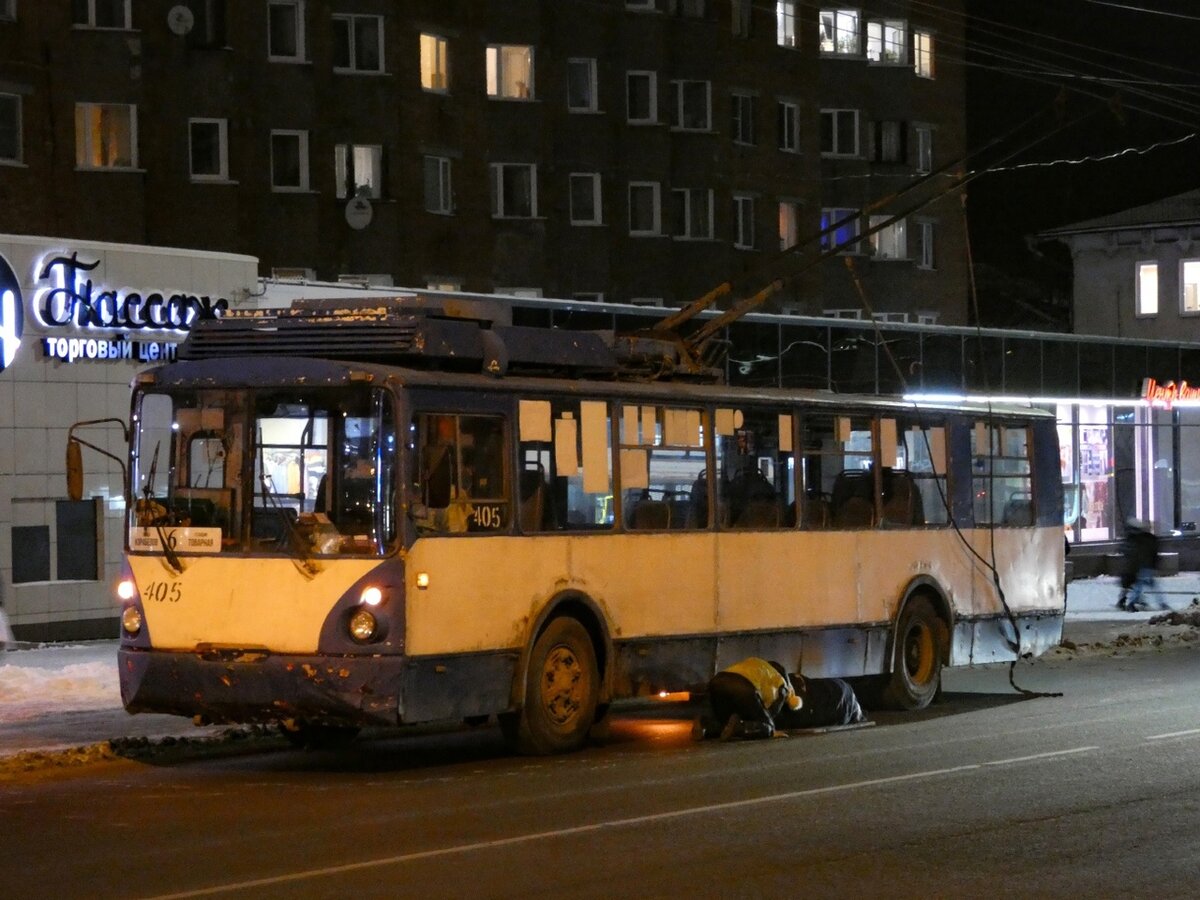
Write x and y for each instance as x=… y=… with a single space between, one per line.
x=772 y=686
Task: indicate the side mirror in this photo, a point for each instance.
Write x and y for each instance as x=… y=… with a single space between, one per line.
x=74 y=470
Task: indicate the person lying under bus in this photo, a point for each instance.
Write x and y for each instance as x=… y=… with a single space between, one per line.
x=756 y=698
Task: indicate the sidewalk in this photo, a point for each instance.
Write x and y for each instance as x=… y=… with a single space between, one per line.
x=58 y=697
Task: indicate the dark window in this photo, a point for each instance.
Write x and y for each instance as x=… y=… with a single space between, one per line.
x=75 y=526
x=208 y=29
x=30 y=553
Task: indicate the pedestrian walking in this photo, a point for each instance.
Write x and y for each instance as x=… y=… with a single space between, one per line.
x=1139 y=556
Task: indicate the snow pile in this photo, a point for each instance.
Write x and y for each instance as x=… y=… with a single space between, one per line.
x=28 y=692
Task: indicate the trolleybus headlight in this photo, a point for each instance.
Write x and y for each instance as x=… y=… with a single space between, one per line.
x=372 y=596
x=131 y=620
x=362 y=625
x=125 y=589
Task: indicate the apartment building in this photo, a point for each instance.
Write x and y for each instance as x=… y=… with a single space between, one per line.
x=630 y=150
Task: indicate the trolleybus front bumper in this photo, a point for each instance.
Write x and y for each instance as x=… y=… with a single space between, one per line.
x=256 y=686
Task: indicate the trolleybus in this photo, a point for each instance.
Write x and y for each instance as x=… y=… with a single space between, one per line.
x=341 y=518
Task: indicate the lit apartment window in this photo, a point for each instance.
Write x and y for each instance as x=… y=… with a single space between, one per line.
x=645 y=210
x=581 y=85
x=744 y=107
x=923 y=54
x=438 y=196
x=886 y=42
x=289 y=160
x=1189 y=281
x=10 y=128
x=889 y=242
x=743 y=221
x=844 y=225
x=693 y=213
x=889 y=141
x=357 y=44
x=839 y=132
x=105 y=136
x=839 y=32
x=924 y=155
x=208 y=149
x=510 y=71
x=435 y=72
x=1147 y=289
x=641 y=97
x=739 y=11
x=514 y=190
x=785 y=24
x=925 y=258
x=584 y=189
x=208 y=23
x=691 y=105
x=788 y=116
x=789 y=224
x=100 y=13
x=8 y=10
x=285 y=30
x=358 y=170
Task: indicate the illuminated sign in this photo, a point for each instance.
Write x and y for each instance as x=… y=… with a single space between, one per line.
x=1167 y=395
x=11 y=312
x=72 y=299
x=70 y=350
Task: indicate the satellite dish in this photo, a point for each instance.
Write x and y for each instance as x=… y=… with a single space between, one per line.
x=359 y=213
x=180 y=20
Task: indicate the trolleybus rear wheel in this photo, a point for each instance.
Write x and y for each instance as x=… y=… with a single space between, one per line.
x=562 y=687
x=917 y=657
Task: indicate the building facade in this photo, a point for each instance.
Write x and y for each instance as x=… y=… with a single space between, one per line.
x=629 y=150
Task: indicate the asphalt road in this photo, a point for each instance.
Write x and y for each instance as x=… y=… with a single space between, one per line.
x=986 y=794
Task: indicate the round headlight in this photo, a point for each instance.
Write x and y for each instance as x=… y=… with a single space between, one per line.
x=131 y=620
x=125 y=589
x=362 y=625
x=372 y=596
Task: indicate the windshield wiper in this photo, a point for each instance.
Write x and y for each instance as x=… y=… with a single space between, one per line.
x=295 y=540
x=157 y=521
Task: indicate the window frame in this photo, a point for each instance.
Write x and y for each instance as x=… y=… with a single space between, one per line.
x=588 y=63
x=837 y=45
x=597 y=217
x=835 y=116
x=655 y=189
x=740 y=18
x=127 y=25
x=743 y=221
x=299 y=34
x=651 y=82
x=787 y=123
x=210 y=24
x=496 y=72
x=786 y=32
x=1192 y=263
x=84 y=150
x=923 y=148
x=679 y=98
x=222 y=144
x=789 y=224
x=434 y=49
x=889 y=242
x=8 y=10
x=1145 y=307
x=443 y=184
x=683 y=216
x=743 y=110
x=17 y=128
x=900 y=56
x=923 y=63
x=302 y=148
x=497 y=176
x=344 y=169
x=352 y=50
x=926 y=233
x=834 y=214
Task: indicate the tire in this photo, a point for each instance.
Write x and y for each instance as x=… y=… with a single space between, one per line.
x=562 y=688
x=917 y=657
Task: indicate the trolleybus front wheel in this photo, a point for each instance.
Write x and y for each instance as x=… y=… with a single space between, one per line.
x=562 y=688
x=917 y=658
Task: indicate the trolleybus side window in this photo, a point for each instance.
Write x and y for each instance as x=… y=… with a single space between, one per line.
x=457 y=473
x=566 y=475
x=1000 y=467
x=838 y=479
x=916 y=492
x=754 y=461
x=664 y=467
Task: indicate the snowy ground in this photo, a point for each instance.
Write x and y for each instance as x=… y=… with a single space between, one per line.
x=39 y=682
